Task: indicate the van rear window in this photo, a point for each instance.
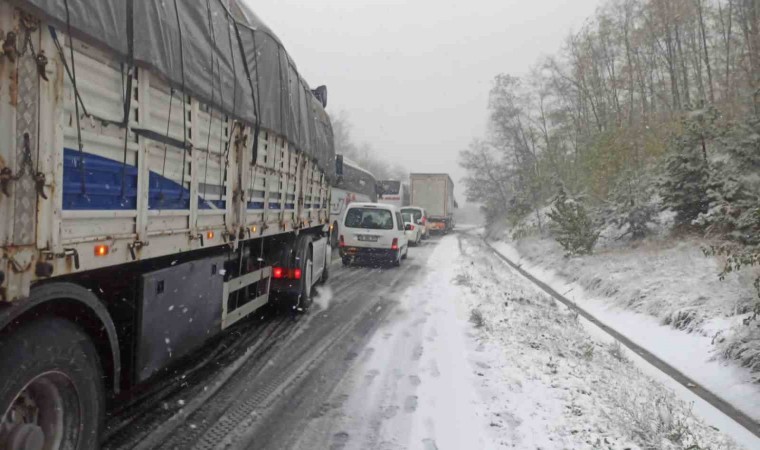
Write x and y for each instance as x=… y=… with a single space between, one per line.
x=416 y=213
x=369 y=218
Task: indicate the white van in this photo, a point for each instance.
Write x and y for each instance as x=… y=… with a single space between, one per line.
x=373 y=231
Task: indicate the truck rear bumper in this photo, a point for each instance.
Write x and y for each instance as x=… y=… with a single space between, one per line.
x=367 y=253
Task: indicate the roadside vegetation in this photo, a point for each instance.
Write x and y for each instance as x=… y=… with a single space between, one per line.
x=646 y=121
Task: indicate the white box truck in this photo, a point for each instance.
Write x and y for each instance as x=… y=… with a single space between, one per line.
x=435 y=193
x=164 y=172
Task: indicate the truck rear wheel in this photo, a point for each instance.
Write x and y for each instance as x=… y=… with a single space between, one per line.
x=51 y=394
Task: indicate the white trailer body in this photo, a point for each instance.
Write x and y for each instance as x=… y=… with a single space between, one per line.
x=434 y=193
x=354 y=185
x=136 y=214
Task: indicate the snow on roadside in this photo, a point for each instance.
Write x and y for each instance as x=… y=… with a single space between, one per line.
x=691 y=353
x=523 y=373
x=553 y=385
x=704 y=304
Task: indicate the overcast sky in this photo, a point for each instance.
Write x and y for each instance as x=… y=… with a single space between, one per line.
x=414 y=75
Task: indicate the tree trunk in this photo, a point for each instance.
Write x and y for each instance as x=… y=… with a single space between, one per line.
x=684 y=69
x=703 y=34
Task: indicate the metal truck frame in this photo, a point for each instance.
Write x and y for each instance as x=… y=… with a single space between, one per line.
x=125 y=244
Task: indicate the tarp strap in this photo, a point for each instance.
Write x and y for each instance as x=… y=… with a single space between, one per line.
x=186 y=147
x=257 y=125
x=213 y=98
x=166 y=140
x=128 y=92
x=222 y=171
x=78 y=98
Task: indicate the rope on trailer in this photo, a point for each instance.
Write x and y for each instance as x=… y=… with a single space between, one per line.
x=127 y=94
x=78 y=98
x=234 y=108
x=213 y=98
x=254 y=91
x=184 y=104
x=168 y=125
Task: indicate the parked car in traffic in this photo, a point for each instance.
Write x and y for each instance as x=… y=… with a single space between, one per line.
x=373 y=231
x=420 y=218
x=413 y=231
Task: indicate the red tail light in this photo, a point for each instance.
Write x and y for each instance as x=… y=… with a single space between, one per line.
x=278 y=273
x=394 y=245
x=424 y=220
x=341 y=242
x=411 y=227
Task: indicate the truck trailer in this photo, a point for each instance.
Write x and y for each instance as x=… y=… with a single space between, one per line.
x=435 y=193
x=164 y=172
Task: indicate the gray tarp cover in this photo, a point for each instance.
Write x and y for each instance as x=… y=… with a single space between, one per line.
x=197 y=44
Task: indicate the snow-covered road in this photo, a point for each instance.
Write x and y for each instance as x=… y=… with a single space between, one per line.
x=451 y=351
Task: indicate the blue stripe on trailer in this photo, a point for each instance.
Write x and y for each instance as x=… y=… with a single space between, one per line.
x=102 y=186
x=102 y=183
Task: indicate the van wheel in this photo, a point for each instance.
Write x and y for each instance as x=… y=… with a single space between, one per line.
x=397 y=260
x=51 y=393
x=346 y=261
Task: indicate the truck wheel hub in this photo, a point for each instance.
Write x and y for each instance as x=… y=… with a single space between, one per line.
x=40 y=415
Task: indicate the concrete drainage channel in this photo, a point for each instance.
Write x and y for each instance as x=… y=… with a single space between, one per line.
x=721 y=405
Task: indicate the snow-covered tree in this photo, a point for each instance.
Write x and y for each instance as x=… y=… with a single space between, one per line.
x=684 y=187
x=734 y=190
x=633 y=204
x=571 y=225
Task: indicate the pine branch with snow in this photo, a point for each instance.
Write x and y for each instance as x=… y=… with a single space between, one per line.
x=571 y=225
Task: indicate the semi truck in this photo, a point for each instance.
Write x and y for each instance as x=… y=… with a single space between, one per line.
x=164 y=172
x=435 y=193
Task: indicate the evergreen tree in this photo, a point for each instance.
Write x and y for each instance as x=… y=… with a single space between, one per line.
x=684 y=188
x=632 y=205
x=571 y=225
x=734 y=189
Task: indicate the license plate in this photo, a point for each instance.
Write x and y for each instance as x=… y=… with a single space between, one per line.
x=365 y=238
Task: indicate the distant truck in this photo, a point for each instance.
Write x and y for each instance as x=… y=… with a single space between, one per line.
x=435 y=193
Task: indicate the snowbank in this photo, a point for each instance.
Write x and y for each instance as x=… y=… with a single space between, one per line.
x=664 y=296
x=556 y=385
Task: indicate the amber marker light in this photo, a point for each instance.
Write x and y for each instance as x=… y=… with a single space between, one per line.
x=101 y=250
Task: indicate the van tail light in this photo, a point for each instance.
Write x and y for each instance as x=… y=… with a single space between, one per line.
x=341 y=242
x=279 y=273
x=411 y=227
x=394 y=245
x=424 y=220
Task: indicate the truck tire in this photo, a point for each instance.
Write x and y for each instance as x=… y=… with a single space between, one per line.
x=305 y=298
x=51 y=393
x=334 y=237
x=325 y=273
x=305 y=255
